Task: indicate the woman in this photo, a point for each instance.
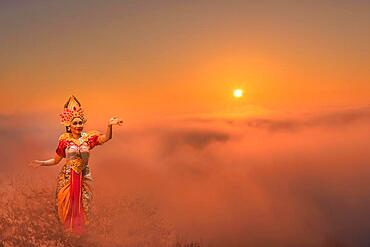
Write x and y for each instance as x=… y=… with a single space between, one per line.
x=73 y=194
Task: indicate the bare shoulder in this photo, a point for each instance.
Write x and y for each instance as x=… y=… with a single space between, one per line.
x=63 y=136
x=92 y=133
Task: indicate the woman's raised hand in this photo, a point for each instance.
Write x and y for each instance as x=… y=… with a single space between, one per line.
x=115 y=121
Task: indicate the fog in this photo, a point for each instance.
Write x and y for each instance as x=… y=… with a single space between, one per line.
x=293 y=180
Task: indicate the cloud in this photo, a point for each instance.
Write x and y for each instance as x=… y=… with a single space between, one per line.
x=195 y=138
x=297 y=180
x=295 y=122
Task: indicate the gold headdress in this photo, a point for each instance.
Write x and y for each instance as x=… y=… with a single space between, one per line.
x=72 y=109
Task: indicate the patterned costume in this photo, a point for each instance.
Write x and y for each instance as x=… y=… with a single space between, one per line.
x=73 y=194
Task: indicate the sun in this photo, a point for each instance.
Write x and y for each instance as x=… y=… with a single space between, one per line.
x=238 y=93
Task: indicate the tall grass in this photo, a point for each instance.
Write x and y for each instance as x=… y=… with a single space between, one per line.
x=28 y=218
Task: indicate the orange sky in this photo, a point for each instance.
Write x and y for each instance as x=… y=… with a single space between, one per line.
x=288 y=179
x=140 y=59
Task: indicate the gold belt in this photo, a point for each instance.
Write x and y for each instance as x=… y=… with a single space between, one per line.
x=76 y=164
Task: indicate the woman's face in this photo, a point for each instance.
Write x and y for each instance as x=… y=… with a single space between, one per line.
x=77 y=126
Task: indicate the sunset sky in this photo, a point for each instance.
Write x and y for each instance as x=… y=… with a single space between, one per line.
x=154 y=58
x=286 y=164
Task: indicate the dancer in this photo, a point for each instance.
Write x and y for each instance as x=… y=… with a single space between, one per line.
x=73 y=193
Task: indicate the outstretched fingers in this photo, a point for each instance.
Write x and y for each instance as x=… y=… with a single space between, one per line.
x=116 y=120
x=34 y=163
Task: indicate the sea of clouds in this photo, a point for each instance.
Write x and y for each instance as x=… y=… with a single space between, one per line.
x=282 y=180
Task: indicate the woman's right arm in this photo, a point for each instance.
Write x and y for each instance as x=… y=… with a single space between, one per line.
x=50 y=162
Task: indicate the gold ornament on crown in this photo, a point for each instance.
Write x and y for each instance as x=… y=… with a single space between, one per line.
x=72 y=109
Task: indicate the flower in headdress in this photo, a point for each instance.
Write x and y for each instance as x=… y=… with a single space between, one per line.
x=72 y=109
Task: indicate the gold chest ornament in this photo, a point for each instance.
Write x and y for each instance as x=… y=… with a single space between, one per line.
x=76 y=164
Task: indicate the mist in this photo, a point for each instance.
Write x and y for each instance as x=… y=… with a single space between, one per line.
x=297 y=180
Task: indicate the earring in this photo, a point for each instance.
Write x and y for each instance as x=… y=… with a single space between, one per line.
x=68 y=129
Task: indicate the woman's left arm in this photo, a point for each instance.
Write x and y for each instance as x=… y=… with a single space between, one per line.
x=108 y=135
